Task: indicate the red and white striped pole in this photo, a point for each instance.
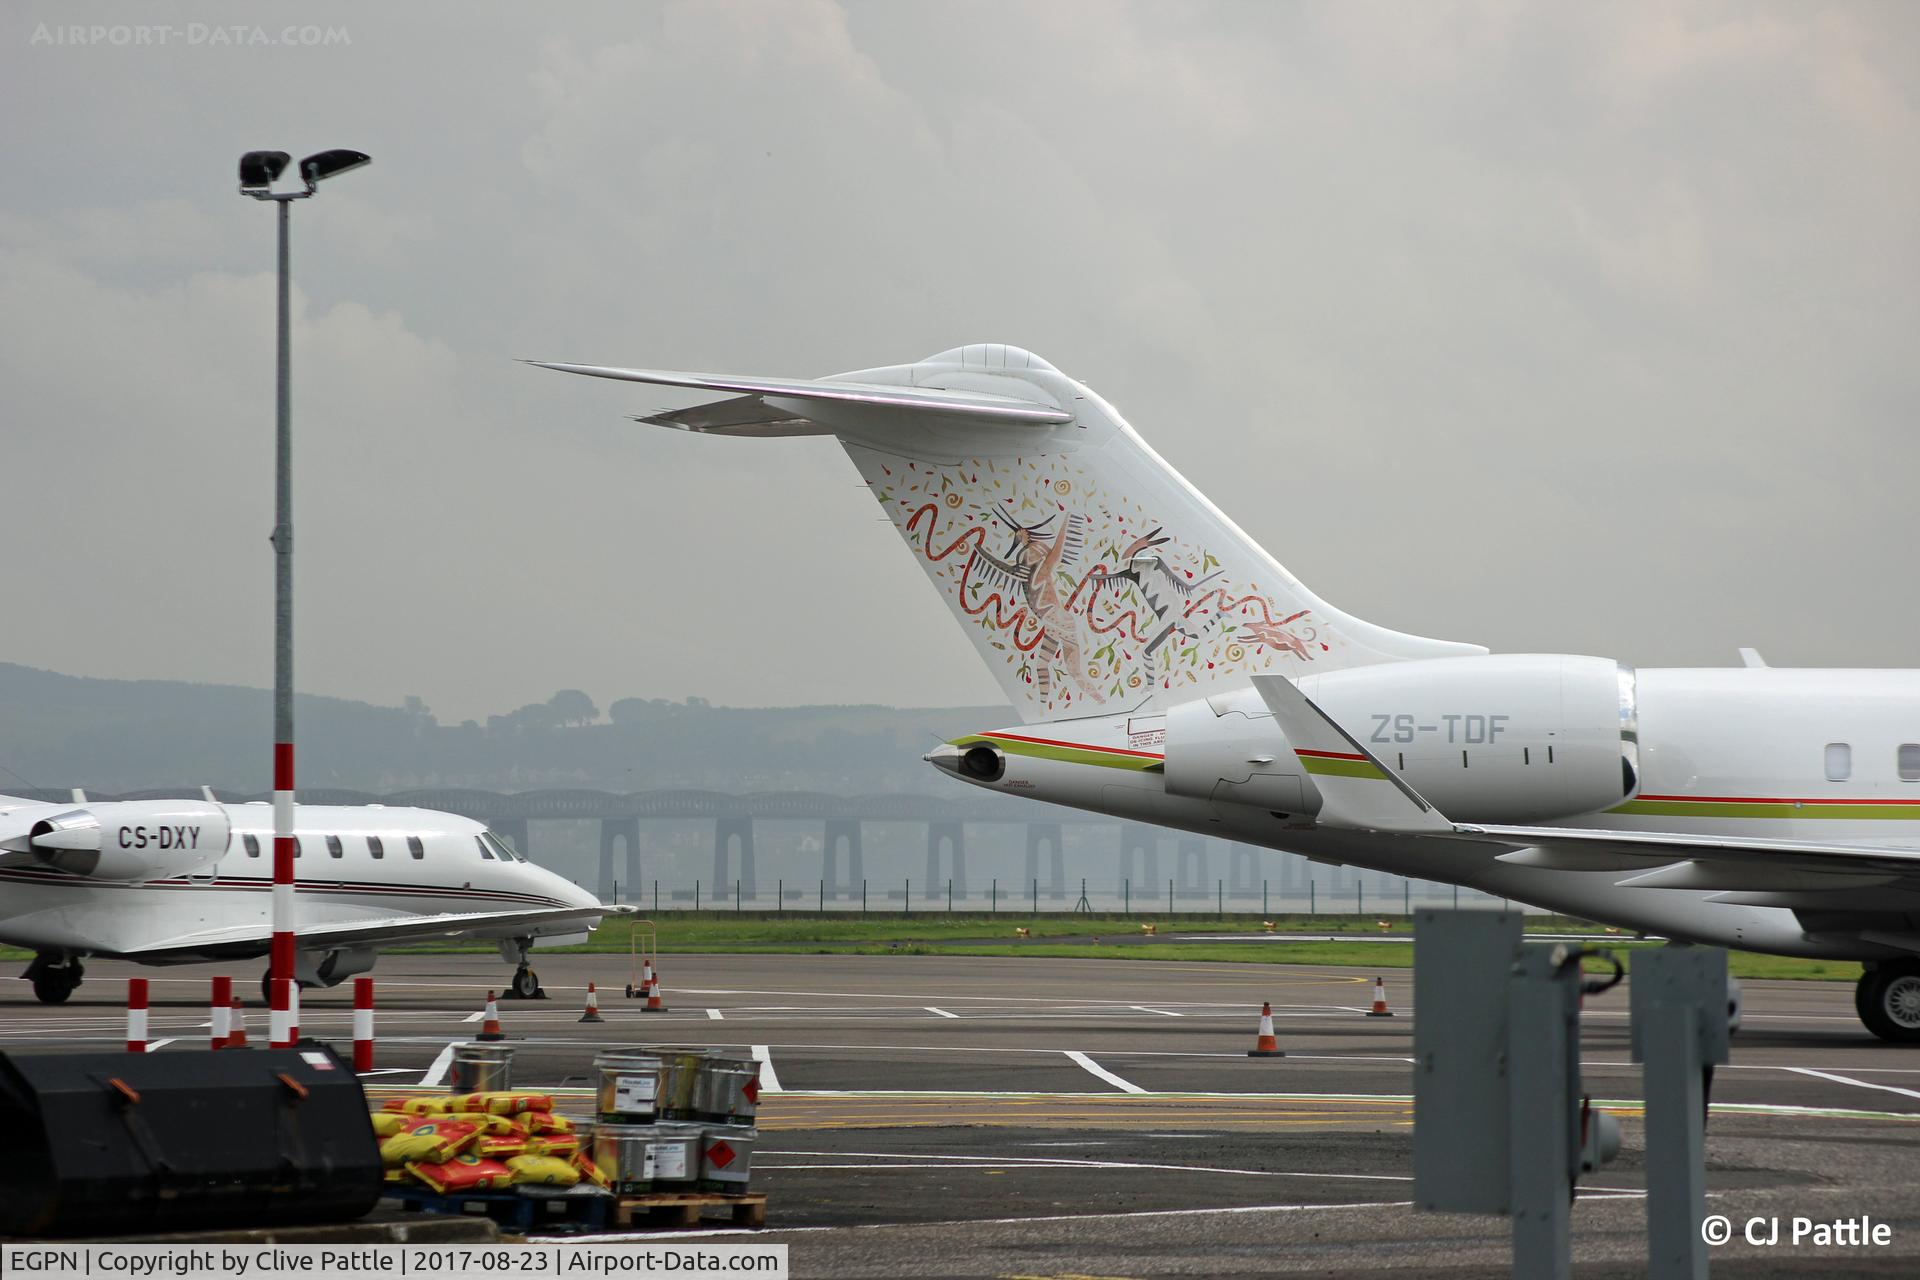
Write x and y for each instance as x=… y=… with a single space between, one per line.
x=220 y=1007
x=363 y=1024
x=136 y=1015
x=284 y=1026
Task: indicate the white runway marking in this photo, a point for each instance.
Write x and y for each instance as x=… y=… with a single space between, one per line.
x=998 y=1222
x=152 y=1045
x=1858 y=1084
x=1068 y=1162
x=1125 y=1086
x=942 y=1012
x=438 y=1071
x=769 y=1078
x=1167 y=1013
x=715 y=1015
x=475 y=1017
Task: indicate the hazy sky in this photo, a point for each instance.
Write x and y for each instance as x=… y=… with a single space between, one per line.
x=1567 y=327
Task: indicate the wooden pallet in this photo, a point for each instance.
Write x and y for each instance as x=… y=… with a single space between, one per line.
x=684 y=1209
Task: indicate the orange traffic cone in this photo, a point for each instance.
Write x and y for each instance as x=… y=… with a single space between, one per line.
x=653 y=1004
x=237 y=1026
x=490 y=1025
x=1266 y=1046
x=1379 y=1009
x=593 y=1006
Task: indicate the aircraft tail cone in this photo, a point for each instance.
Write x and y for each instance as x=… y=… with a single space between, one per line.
x=1265 y=1045
x=490 y=1024
x=1379 y=1009
x=593 y=1006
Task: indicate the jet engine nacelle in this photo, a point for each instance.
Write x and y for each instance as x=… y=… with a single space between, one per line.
x=1229 y=749
x=1498 y=737
x=132 y=841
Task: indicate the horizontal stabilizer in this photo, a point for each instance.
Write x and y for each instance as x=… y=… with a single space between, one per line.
x=787 y=398
x=748 y=417
x=1356 y=790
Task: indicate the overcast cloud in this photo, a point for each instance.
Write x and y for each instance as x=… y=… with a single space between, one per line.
x=1567 y=327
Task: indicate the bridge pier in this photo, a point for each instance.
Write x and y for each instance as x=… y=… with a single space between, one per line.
x=725 y=832
x=953 y=836
x=1140 y=857
x=841 y=831
x=1190 y=865
x=1243 y=870
x=624 y=831
x=1047 y=834
x=514 y=830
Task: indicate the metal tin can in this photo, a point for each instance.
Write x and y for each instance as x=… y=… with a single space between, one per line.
x=620 y=1153
x=481 y=1068
x=728 y=1090
x=679 y=1082
x=628 y=1091
x=726 y=1157
x=674 y=1156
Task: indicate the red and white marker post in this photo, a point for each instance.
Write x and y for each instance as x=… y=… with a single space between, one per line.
x=363 y=1024
x=284 y=1024
x=136 y=1015
x=220 y=1011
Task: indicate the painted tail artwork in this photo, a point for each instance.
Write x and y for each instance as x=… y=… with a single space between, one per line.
x=1092 y=578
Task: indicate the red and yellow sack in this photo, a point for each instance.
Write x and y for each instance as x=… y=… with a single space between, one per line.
x=590 y=1171
x=499 y=1126
x=430 y=1141
x=420 y=1106
x=388 y=1123
x=564 y=1146
x=543 y=1171
x=504 y=1102
x=499 y=1146
x=546 y=1122
x=463 y=1173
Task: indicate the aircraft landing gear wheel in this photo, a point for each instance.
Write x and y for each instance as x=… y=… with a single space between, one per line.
x=53 y=985
x=1888 y=1000
x=525 y=984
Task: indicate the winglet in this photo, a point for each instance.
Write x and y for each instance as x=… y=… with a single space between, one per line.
x=1348 y=776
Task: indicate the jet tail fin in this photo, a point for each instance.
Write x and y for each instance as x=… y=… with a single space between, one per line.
x=1090 y=576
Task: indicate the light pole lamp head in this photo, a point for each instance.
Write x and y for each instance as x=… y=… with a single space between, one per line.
x=317 y=168
x=258 y=169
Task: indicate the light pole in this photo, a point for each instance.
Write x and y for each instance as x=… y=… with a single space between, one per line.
x=258 y=172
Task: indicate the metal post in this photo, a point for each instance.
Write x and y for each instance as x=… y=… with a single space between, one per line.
x=993 y=899
x=823 y=897
x=284 y=1031
x=1126 y=893
x=907 y=898
x=736 y=897
x=863 y=895
x=779 y=897
x=949 y=895
x=1263 y=897
x=1036 y=895
x=1360 y=899
x=1169 y=895
x=696 y=895
x=656 y=897
x=1539 y=1104
x=1220 y=895
x=1406 y=897
x=616 y=893
x=1676 y=1143
x=1313 y=898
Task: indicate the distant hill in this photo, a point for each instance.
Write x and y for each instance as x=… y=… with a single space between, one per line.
x=123 y=735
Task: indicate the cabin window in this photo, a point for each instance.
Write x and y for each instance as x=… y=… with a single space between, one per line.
x=334 y=848
x=415 y=848
x=252 y=844
x=375 y=848
x=485 y=852
x=1839 y=761
x=1910 y=762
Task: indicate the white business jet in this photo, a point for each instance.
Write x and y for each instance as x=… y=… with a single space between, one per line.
x=180 y=881
x=1170 y=671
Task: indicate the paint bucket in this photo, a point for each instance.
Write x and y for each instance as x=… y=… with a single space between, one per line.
x=726 y=1157
x=619 y=1151
x=729 y=1089
x=680 y=1072
x=674 y=1156
x=481 y=1068
x=629 y=1087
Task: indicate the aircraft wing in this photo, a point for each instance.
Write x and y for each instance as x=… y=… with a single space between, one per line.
x=777 y=406
x=376 y=931
x=1352 y=783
